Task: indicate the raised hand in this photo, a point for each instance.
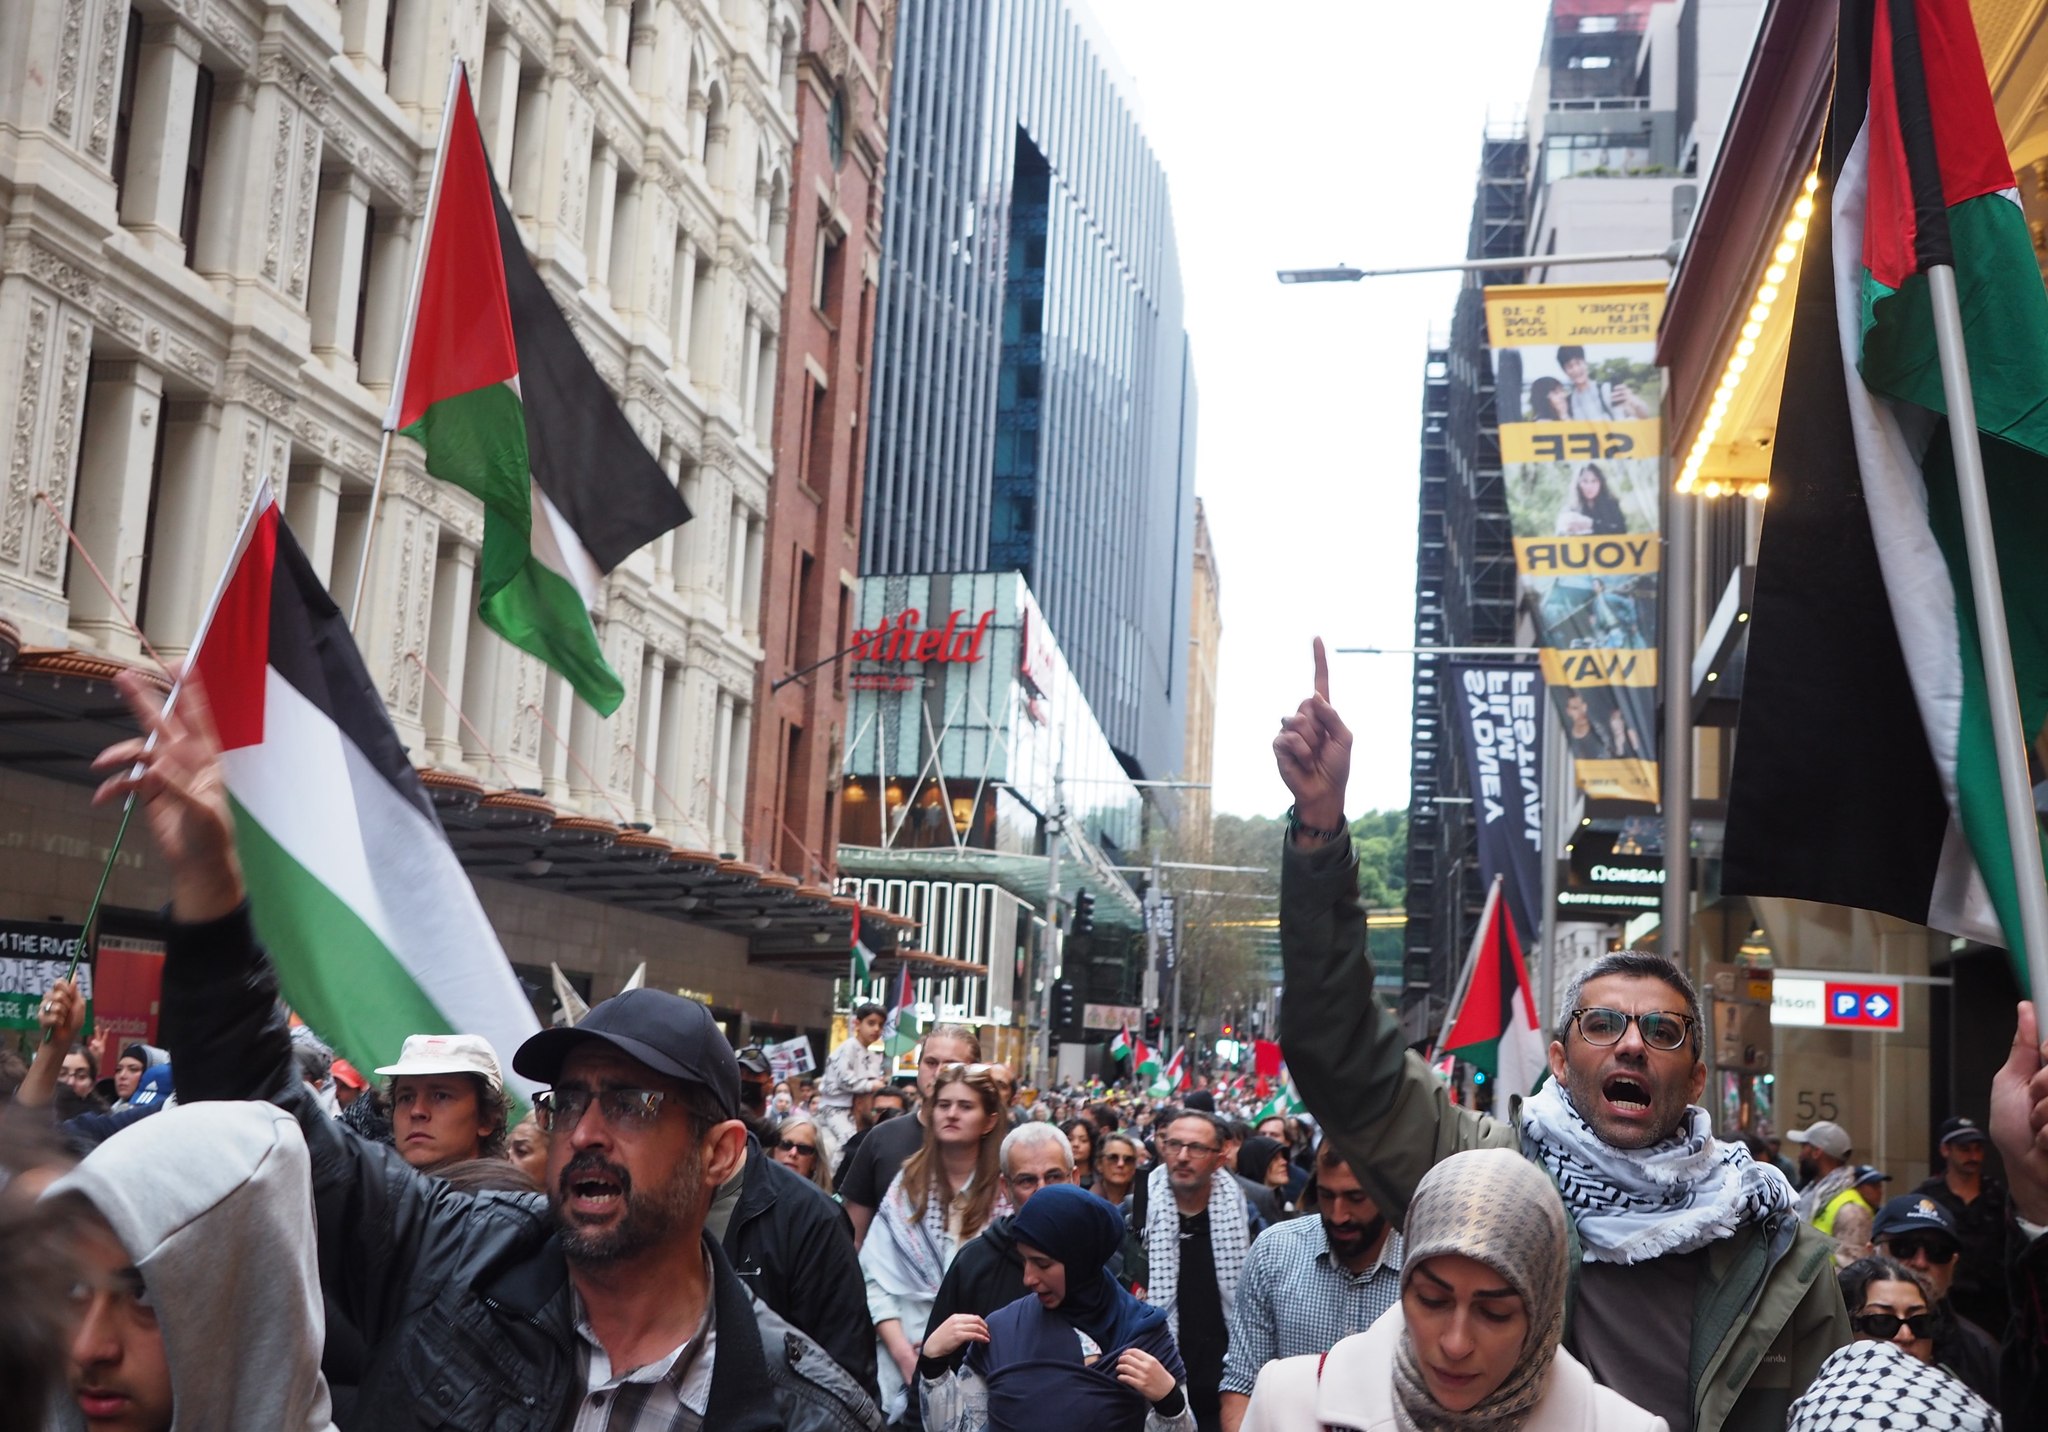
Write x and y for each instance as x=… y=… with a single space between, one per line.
x=176 y=779
x=61 y=1014
x=2019 y=1119
x=1313 y=751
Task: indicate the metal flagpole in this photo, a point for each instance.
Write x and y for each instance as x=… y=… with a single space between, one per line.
x=412 y=318
x=2001 y=688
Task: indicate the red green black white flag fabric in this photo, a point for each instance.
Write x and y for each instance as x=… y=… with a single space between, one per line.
x=863 y=957
x=373 y=925
x=1144 y=1059
x=1120 y=1047
x=1864 y=771
x=496 y=388
x=902 y=1029
x=1495 y=1027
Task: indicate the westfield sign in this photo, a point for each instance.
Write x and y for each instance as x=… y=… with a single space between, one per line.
x=901 y=639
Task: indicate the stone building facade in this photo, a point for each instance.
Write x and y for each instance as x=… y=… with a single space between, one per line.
x=211 y=211
x=813 y=546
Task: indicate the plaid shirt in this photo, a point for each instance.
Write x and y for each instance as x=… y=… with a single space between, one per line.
x=1295 y=1298
x=671 y=1395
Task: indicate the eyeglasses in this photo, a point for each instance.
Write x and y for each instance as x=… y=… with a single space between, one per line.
x=791 y=1146
x=1028 y=1183
x=1116 y=1158
x=623 y=1108
x=1935 y=1250
x=1602 y=1027
x=1885 y=1326
x=1182 y=1146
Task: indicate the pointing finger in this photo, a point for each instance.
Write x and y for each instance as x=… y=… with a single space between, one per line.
x=1322 y=671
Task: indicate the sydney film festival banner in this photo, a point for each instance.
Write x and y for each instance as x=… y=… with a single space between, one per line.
x=1498 y=708
x=1579 y=399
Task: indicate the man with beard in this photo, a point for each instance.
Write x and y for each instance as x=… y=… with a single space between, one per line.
x=1309 y=1283
x=1699 y=1294
x=602 y=1304
x=1826 y=1171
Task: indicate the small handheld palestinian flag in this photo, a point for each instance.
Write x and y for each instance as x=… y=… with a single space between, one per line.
x=493 y=384
x=1494 y=1026
x=863 y=957
x=1120 y=1047
x=902 y=1029
x=1145 y=1063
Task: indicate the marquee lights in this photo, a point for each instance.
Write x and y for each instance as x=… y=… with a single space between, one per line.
x=1768 y=291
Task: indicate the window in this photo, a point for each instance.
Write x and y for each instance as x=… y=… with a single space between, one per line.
x=835 y=129
x=825 y=272
x=355 y=342
x=818 y=440
x=124 y=110
x=195 y=160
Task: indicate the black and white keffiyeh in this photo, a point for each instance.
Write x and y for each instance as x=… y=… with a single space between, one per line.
x=1632 y=1205
x=1872 y=1386
x=1229 y=1240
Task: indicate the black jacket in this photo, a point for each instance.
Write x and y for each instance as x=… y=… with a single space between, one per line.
x=793 y=1245
x=987 y=1273
x=463 y=1299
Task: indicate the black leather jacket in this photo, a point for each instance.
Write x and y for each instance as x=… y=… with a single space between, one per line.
x=463 y=1300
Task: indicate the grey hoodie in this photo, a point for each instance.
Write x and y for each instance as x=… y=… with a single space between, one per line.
x=214 y=1202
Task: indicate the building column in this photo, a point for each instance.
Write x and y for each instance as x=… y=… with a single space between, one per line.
x=668 y=758
x=447 y=651
x=362 y=32
x=584 y=776
x=390 y=278
x=110 y=513
x=623 y=268
x=721 y=775
x=736 y=567
x=166 y=84
x=685 y=281
x=750 y=372
x=742 y=747
x=603 y=200
x=764 y=415
x=647 y=738
x=529 y=148
x=337 y=275
x=750 y=600
x=313 y=509
x=556 y=771
x=498 y=116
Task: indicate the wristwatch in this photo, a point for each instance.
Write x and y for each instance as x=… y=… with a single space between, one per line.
x=1296 y=827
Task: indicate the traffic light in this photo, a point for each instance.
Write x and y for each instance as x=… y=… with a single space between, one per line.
x=1066 y=1011
x=1153 y=1026
x=1084 y=915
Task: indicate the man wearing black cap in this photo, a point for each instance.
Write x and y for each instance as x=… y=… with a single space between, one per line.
x=1918 y=1232
x=603 y=1304
x=1976 y=1201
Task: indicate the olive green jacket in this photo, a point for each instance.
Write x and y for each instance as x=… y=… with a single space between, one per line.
x=1768 y=1310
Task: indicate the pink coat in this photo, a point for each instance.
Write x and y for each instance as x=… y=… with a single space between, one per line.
x=1356 y=1391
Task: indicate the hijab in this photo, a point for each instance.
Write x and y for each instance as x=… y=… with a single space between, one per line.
x=1033 y=1361
x=1255 y=1158
x=1496 y=1207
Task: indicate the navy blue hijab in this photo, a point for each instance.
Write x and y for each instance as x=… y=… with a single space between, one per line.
x=1032 y=1361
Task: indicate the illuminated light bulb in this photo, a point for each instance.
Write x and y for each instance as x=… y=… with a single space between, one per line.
x=1747 y=346
x=1804 y=208
x=1752 y=330
x=1795 y=231
x=1713 y=489
x=1785 y=253
x=1726 y=391
x=1760 y=312
x=1761 y=491
x=1767 y=294
x=1812 y=182
x=1775 y=273
x=1737 y=364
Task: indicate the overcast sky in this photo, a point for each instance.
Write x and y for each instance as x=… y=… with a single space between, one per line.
x=1300 y=133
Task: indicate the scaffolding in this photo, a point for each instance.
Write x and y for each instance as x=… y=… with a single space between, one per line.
x=1465 y=589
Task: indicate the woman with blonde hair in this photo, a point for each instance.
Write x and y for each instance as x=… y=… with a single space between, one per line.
x=797 y=1144
x=1473 y=1343
x=947 y=1192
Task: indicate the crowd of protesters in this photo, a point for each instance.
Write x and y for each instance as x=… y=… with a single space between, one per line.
x=674 y=1238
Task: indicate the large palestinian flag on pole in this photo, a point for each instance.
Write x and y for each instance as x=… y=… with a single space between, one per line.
x=1495 y=1028
x=493 y=384
x=1864 y=770
x=375 y=929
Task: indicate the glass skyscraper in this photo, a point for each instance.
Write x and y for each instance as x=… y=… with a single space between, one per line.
x=1033 y=403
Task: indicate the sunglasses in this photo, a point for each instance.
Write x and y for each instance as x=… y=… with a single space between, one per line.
x=791 y=1146
x=1885 y=1326
x=1935 y=1250
x=1116 y=1158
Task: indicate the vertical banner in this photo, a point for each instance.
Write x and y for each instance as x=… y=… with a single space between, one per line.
x=1499 y=710
x=1579 y=398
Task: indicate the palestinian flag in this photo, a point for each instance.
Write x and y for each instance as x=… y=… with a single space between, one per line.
x=1146 y=1060
x=1495 y=1028
x=863 y=957
x=1173 y=1077
x=1120 y=1047
x=1864 y=706
x=902 y=1029
x=1286 y=1100
x=495 y=387
x=374 y=927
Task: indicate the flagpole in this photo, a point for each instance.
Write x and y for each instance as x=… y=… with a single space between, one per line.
x=1487 y=915
x=1995 y=643
x=405 y=337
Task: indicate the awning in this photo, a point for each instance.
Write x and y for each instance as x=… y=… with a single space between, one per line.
x=59 y=709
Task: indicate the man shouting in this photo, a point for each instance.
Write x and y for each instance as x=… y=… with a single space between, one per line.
x=1701 y=1295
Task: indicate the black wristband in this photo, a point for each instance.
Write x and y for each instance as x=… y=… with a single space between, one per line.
x=1295 y=827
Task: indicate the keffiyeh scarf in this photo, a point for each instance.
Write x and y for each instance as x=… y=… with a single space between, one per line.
x=1229 y=1240
x=1632 y=1205
x=923 y=1244
x=1872 y=1386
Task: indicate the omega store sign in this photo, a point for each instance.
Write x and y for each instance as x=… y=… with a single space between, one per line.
x=1617 y=887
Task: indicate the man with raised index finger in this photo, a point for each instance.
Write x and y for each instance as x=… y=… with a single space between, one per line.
x=1699 y=1295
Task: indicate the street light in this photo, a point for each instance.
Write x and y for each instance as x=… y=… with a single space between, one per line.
x=1340 y=274
x=1344 y=273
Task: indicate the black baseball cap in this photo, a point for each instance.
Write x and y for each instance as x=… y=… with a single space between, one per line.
x=1960 y=1130
x=668 y=1033
x=1912 y=1213
x=753 y=1061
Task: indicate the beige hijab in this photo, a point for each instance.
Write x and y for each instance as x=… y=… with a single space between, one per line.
x=1494 y=1206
